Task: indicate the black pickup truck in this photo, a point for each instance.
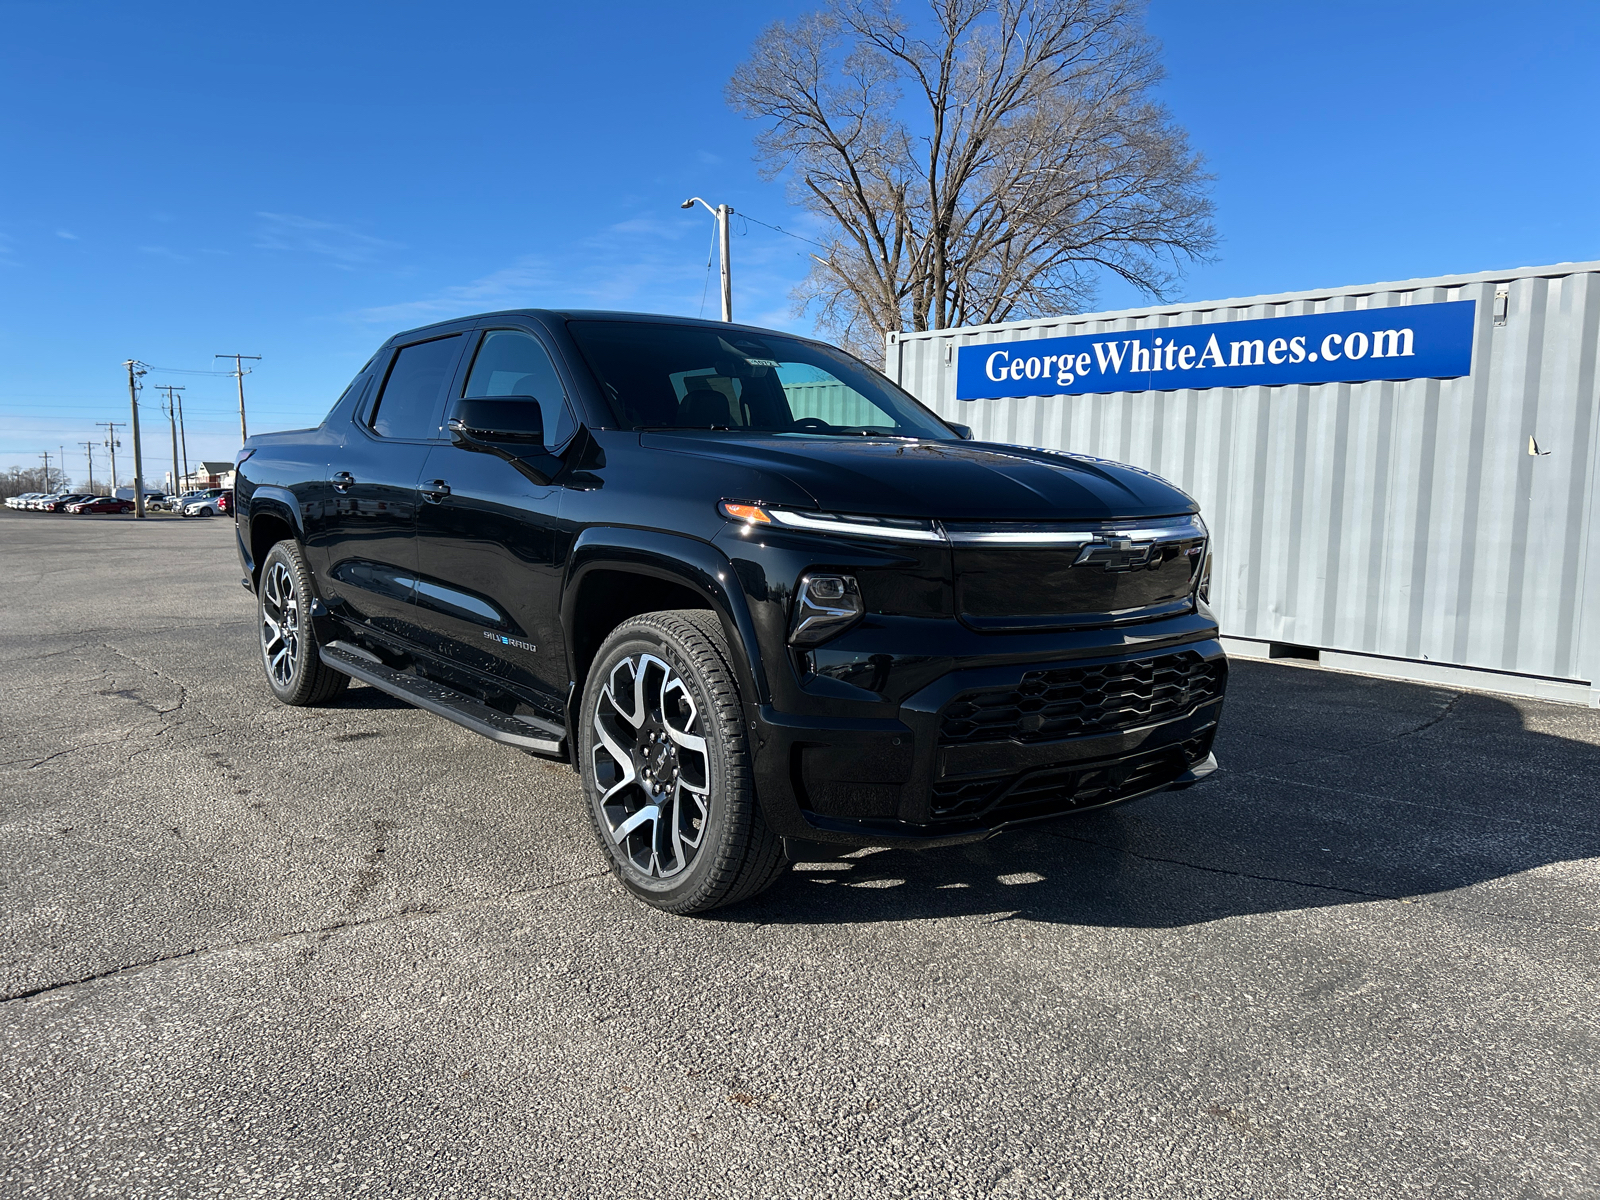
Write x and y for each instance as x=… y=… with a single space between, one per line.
x=757 y=595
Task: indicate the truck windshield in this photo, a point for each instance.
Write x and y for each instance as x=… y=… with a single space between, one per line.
x=660 y=376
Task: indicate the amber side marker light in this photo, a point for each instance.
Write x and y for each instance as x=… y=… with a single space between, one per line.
x=754 y=514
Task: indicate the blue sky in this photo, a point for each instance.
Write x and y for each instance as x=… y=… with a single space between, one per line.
x=299 y=181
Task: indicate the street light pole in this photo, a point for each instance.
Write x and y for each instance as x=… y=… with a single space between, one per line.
x=721 y=212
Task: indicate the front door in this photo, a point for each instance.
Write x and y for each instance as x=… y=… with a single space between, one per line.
x=488 y=580
x=369 y=528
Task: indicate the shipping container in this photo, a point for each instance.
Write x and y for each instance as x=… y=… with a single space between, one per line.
x=1437 y=528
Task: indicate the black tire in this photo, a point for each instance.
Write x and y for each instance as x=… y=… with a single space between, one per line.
x=708 y=794
x=295 y=672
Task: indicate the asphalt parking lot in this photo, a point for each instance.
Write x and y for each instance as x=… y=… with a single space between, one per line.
x=248 y=950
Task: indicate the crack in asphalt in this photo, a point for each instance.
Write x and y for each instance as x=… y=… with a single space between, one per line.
x=410 y=912
x=183 y=692
x=72 y=750
x=1444 y=713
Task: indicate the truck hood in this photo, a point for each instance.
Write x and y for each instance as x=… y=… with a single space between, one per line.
x=972 y=481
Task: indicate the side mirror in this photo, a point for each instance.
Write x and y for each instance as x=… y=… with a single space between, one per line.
x=962 y=431
x=498 y=420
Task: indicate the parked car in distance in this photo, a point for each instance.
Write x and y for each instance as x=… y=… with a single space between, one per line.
x=765 y=603
x=215 y=503
x=20 y=501
x=59 y=503
x=38 y=502
x=177 y=503
x=101 y=504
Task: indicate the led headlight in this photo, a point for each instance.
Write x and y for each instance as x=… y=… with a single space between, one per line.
x=824 y=606
x=900 y=529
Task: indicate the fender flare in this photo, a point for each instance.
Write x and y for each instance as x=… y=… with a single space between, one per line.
x=675 y=558
x=266 y=499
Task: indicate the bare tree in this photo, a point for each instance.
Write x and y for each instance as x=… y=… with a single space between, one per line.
x=15 y=481
x=988 y=171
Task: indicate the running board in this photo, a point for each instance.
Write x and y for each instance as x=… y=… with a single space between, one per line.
x=527 y=733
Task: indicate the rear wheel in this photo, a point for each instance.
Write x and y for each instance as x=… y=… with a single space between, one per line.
x=295 y=671
x=666 y=766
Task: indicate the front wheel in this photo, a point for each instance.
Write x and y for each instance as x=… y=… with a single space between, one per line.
x=666 y=766
x=289 y=654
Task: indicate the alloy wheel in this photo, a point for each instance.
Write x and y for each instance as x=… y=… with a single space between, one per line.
x=650 y=765
x=280 y=624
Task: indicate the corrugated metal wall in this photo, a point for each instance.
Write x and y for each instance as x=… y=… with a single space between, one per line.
x=1401 y=519
x=833 y=402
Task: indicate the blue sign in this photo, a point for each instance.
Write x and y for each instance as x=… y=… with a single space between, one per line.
x=1411 y=341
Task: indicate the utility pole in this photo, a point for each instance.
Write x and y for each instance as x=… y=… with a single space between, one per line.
x=183 y=440
x=61 y=457
x=111 y=444
x=721 y=212
x=88 y=448
x=46 y=456
x=239 y=373
x=134 y=371
x=172 y=421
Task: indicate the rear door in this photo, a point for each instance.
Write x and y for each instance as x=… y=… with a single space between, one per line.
x=488 y=583
x=368 y=531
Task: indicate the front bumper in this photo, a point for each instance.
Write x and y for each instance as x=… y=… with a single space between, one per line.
x=923 y=777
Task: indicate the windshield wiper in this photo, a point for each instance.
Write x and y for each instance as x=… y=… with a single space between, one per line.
x=868 y=431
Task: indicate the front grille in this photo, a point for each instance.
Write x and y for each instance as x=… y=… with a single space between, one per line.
x=1066 y=788
x=1064 y=702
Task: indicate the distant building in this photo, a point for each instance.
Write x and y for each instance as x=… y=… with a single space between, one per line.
x=208 y=475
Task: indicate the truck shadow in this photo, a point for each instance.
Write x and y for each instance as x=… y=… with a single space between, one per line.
x=1334 y=789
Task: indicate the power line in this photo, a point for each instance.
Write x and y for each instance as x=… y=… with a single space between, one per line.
x=785 y=232
x=711 y=251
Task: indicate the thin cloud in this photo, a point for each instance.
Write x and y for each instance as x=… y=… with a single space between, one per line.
x=345 y=247
x=518 y=286
x=67 y=234
x=650 y=262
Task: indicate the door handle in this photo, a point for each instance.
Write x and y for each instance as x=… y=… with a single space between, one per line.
x=434 y=492
x=342 y=481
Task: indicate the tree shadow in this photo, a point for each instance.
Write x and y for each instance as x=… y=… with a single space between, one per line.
x=1334 y=789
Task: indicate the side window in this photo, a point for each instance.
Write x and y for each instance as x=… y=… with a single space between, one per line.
x=409 y=404
x=512 y=363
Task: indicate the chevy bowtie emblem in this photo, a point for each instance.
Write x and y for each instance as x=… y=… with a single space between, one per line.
x=1116 y=554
